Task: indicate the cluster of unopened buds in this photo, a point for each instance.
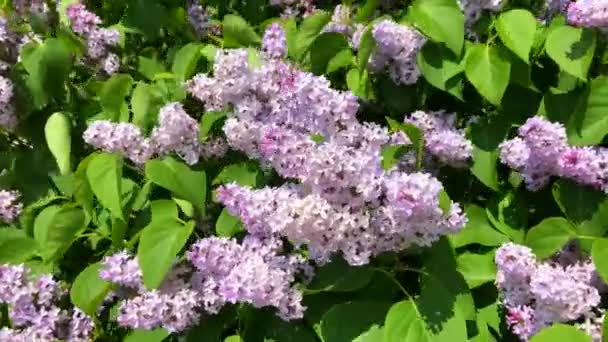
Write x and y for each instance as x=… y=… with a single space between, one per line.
x=344 y=202
x=537 y=294
x=541 y=151
x=99 y=40
x=218 y=272
x=176 y=132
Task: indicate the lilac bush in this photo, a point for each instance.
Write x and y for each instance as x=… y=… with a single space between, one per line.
x=303 y=170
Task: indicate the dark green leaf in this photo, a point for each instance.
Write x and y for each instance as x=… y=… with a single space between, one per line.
x=238 y=33
x=56 y=228
x=549 y=236
x=477 y=269
x=338 y=276
x=478 y=230
x=405 y=324
x=441 y=20
x=245 y=174
x=484 y=167
x=344 y=322
x=58 y=136
x=488 y=69
x=228 y=225
x=578 y=202
x=185 y=61
x=209 y=122
x=89 y=290
x=113 y=93
x=325 y=47
x=572 y=49
x=308 y=32
x=15 y=246
x=517 y=29
x=140 y=335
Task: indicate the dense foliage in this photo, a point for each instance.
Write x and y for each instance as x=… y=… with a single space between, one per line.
x=303 y=170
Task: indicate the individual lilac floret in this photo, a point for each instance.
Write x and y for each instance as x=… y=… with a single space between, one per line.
x=588 y=13
x=251 y=272
x=274 y=43
x=396 y=49
x=177 y=132
x=442 y=139
x=36 y=311
x=538 y=294
x=10 y=206
x=199 y=18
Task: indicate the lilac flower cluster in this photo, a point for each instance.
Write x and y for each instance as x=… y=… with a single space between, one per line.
x=10 y=206
x=35 y=7
x=542 y=151
x=176 y=132
x=220 y=271
x=295 y=8
x=396 y=49
x=341 y=23
x=537 y=294
x=99 y=40
x=34 y=309
x=8 y=117
x=199 y=18
x=346 y=202
x=274 y=43
x=442 y=139
x=588 y=13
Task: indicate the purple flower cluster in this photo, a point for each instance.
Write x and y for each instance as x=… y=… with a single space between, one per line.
x=346 y=202
x=35 y=7
x=34 y=309
x=8 y=117
x=99 y=40
x=221 y=271
x=295 y=8
x=537 y=294
x=442 y=139
x=588 y=13
x=396 y=49
x=542 y=151
x=340 y=21
x=176 y=132
x=199 y=18
x=274 y=43
x=10 y=207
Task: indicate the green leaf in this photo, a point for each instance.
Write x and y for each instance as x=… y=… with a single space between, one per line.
x=572 y=49
x=58 y=136
x=484 y=167
x=209 y=122
x=140 y=335
x=588 y=124
x=439 y=66
x=309 y=30
x=578 y=202
x=233 y=338
x=325 y=47
x=238 y=33
x=245 y=174
x=104 y=173
x=113 y=93
x=144 y=17
x=599 y=254
x=145 y=105
x=477 y=269
x=56 y=228
x=488 y=69
x=89 y=290
x=445 y=203
x=15 y=246
x=179 y=179
x=561 y=332
x=374 y=334
x=440 y=20
x=405 y=324
x=517 y=29
x=549 y=236
x=211 y=328
x=339 y=276
x=158 y=247
x=478 y=230
x=392 y=154
x=228 y=225
x=149 y=67
x=366 y=48
x=344 y=322
x=185 y=61
x=342 y=59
